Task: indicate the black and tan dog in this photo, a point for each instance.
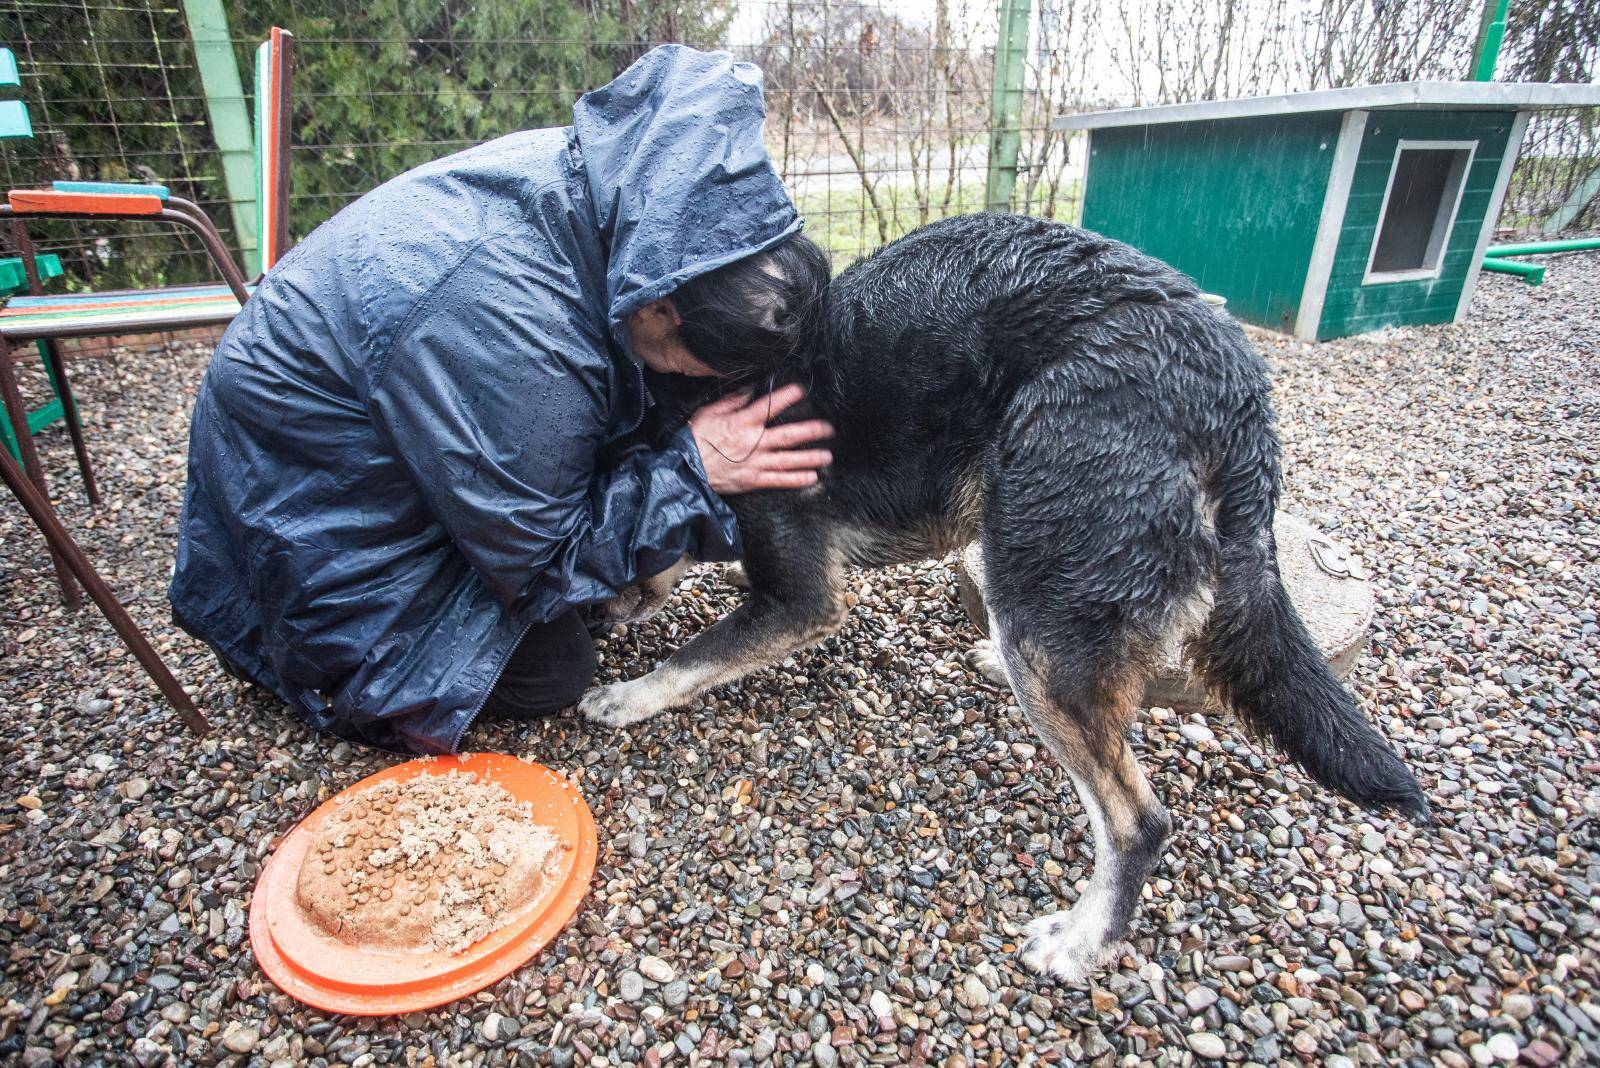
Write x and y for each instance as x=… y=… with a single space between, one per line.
x=1108 y=438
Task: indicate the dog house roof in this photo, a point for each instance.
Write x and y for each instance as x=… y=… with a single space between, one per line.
x=1415 y=96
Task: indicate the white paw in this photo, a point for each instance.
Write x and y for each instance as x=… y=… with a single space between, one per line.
x=1071 y=952
x=616 y=705
x=984 y=658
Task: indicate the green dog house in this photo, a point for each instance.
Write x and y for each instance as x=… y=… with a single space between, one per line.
x=1319 y=214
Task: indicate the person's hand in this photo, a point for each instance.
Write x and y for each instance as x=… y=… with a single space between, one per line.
x=740 y=452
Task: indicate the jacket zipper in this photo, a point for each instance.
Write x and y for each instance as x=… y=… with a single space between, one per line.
x=455 y=742
x=644 y=400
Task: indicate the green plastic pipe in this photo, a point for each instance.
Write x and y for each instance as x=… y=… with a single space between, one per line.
x=1540 y=248
x=1531 y=273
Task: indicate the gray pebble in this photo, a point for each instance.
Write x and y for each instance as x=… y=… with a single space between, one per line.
x=631 y=986
x=239 y=1039
x=887 y=851
x=497 y=1028
x=146 y=1053
x=1517 y=1006
x=656 y=970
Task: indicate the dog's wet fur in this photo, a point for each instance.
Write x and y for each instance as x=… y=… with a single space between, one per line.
x=1108 y=438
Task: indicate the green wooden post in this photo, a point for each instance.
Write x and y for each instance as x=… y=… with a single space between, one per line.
x=1491 y=31
x=1005 y=110
x=230 y=121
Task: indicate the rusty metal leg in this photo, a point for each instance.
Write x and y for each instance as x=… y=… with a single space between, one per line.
x=69 y=408
x=38 y=508
x=54 y=365
x=18 y=414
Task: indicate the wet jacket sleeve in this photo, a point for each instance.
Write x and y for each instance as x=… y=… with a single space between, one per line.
x=499 y=410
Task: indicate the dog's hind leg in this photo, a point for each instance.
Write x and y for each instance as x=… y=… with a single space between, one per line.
x=984 y=656
x=1084 y=713
x=796 y=599
x=1092 y=541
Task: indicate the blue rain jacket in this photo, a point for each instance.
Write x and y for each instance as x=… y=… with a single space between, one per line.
x=393 y=457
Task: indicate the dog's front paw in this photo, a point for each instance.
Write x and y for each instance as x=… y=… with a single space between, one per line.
x=1066 y=950
x=984 y=658
x=620 y=704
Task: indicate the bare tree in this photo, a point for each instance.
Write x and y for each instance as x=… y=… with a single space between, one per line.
x=1558 y=40
x=895 y=95
x=900 y=106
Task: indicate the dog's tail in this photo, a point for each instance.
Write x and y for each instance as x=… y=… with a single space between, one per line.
x=1257 y=657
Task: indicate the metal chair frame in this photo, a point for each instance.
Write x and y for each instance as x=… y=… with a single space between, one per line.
x=27 y=481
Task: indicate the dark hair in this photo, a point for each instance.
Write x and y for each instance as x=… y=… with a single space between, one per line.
x=750 y=317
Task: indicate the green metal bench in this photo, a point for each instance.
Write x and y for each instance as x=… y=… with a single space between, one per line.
x=20 y=423
x=171 y=308
x=28 y=273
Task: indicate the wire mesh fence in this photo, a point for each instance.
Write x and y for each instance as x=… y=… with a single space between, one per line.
x=880 y=113
x=1560 y=156
x=113 y=93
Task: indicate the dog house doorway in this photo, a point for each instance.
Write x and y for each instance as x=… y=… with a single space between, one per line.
x=1419 y=210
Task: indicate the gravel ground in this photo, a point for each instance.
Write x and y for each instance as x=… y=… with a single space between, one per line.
x=830 y=863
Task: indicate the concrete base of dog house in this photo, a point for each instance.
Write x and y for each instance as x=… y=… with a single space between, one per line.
x=1327 y=585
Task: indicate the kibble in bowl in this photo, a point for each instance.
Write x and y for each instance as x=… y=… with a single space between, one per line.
x=434 y=862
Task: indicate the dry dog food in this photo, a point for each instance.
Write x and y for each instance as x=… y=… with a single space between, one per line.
x=434 y=862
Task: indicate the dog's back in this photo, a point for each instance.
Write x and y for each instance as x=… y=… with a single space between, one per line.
x=941 y=345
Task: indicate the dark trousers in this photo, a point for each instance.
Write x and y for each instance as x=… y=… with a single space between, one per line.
x=549 y=670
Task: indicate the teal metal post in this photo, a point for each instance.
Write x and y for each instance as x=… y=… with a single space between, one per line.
x=1005 y=110
x=1491 y=32
x=230 y=121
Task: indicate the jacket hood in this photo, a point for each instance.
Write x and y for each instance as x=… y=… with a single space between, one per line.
x=677 y=174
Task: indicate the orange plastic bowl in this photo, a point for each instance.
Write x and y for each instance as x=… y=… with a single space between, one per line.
x=328 y=974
